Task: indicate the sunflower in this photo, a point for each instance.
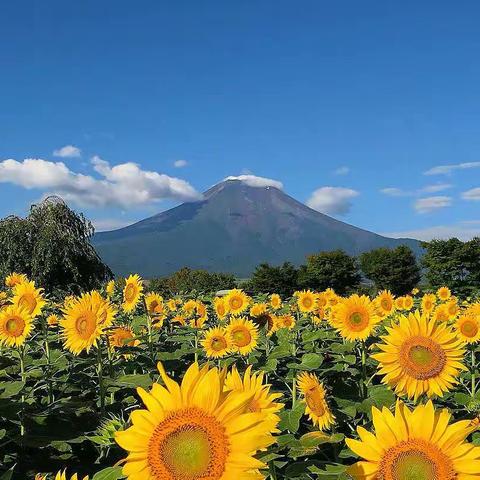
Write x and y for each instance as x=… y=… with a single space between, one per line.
x=172 y=305
x=420 y=356
x=216 y=342
x=194 y=431
x=26 y=296
x=60 y=476
x=354 y=317
x=415 y=445
x=3 y=298
x=322 y=300
x=189 y=307
x=15 y=325
x=15 y=279
x=452 y=308
x=332 y=297
x=286 y=321
x=444 y=293
x=415 y=291
x=201 y=315
x=122 y=337
x=258 y=309
x=385 y=302
x=243 y=335
x=428 y=302
x=154 y=303
x=316 y=406
x=407 y=302
x=319 y=316
x=221 y=308
x=440 y=314
x=132 y=292
x=52 y=320
x=110 y=288
x=237 y=301
x=275 y=301
x=179 y=319
x=263 y=401
x=306 y=301
x=400 y=303
x=84 y=321
x=468 y=325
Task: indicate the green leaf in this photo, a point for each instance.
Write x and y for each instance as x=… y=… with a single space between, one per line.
x=110 y=473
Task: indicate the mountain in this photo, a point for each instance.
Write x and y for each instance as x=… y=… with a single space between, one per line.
x=232 y=229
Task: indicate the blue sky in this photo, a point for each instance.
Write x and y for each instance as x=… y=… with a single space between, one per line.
x=346 y=103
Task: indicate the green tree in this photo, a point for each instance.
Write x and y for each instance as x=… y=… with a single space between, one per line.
x=333 y=269
x=52 y=246
x=280 y=279
x=188 y=280
x=394 y=269
x=453 y=263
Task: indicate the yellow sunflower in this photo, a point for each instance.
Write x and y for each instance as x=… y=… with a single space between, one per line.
x=110 y=288
x=258 y=309
x=385 y=302
x=452 y=308
x=418 y=444
x=216 y=342
x=194 y=431
x=275 y=301
x=60 y=476
x=306 y=301
x=15 y=279
x=15 y=325
x=3 y=298
x=407 y=302
x=319 y=316
x=52 y=320
x=132 y=292
x=400 y=303
x=468 y=327
x=189 y=307
x=243 y=335
x=26 y=296
x=440 y=314
x=221 y=308
x=332 y=297
x=354 y=317
x=201 y=315
x=316 y=405
x=153 y=301
x=322 y=300
x=237 y=301
x=172 y=305
x=428 y=303
x=420 y=355
x=262 y=401
x=84 y=321
x=444 y=293
x=179 y=319
x=286 y=321
x=415 y=291
x=121 y=337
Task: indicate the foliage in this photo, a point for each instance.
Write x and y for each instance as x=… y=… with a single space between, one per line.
x=395 y=269
x=453 y=263
x=333 y=269
x=280 y=279
x=52 y=246
x=188 y=280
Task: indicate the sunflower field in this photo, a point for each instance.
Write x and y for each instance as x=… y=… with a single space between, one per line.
x=122 y=383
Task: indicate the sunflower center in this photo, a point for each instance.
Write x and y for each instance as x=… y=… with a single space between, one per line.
x=85 y=326
x=15 y=326
x=28 y=302
x=422 y=358
x=218 y=343
x=469 y=328
x=236 y=303
x=358 y=321
x=307 y=302
x=130 y=292
x=188 y=445
x=241 y=337
x=315 y=401
x=415 y=460
x=386 y=304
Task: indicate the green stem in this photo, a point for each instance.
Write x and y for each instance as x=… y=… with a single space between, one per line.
x=21 y=353
x=474 y=367
x=363 y=381
x=49 y=376
x=100 y=377
x=196 y=345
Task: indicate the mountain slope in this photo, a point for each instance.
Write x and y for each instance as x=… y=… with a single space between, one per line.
x=234 y=228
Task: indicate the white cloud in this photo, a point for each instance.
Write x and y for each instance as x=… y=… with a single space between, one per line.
x=342 y=171
x=395 y=192
x=473 y=194
x=254 y=181
x=447 y=169
x=332 y=200
x=107 y=224
x=123 y=185
x=429 y=204
x=180 y=163
x=398 y=192
x=68 y=151
x=464 y=231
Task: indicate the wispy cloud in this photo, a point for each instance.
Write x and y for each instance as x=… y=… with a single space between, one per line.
x=254 y=181
x=429 y=204
x=180 y=163
x=124 y=185
x=472 y=194
x=398 y=192
x=448 y=169
x=332 y=200
x=68 y=151
x=342 y=171
x=107 y=224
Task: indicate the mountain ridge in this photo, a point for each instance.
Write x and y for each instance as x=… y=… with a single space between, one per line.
x=233 y=228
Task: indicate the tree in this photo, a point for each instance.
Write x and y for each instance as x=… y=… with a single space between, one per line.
x=333 y=269
x=453 y=263
x=52 y=246
x=394 y=269
x=280 y=279
x=188 y=280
